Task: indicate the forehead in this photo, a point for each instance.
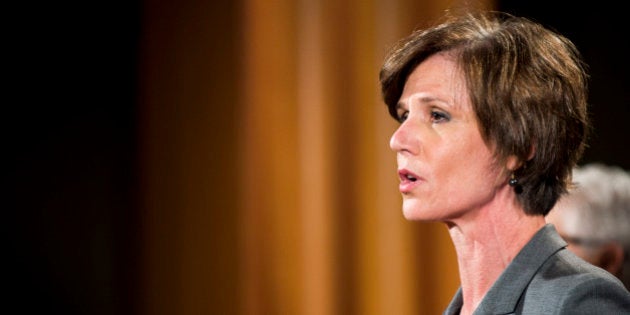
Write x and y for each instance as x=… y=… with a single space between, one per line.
x=437 y=77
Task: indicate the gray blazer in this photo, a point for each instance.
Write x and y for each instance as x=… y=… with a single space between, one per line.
x=546 y=278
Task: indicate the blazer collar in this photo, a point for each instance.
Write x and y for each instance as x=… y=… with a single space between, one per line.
x=503 y=296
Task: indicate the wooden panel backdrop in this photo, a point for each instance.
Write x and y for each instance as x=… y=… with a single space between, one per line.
x=267 y=183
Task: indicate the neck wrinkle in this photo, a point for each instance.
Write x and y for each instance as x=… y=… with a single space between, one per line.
x=486 y=243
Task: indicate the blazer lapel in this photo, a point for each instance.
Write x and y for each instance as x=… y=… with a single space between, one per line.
x=505 y=293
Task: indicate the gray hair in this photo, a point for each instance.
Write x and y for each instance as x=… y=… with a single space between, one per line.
x=600 y=204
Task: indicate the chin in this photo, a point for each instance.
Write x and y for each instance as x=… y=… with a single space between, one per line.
x=413 y=212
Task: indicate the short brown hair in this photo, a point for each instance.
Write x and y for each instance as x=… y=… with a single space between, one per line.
x=528 y=88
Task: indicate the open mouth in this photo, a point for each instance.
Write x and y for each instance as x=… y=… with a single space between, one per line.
x=407 y=176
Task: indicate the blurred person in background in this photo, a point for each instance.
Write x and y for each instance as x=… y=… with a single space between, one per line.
x=594 y=218
x=493 y=118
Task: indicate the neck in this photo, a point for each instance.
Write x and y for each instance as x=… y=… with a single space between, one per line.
x=486 y=240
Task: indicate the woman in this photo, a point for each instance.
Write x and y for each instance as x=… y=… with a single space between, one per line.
x=493 y=117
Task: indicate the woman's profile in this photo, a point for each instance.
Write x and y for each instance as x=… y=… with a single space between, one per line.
x=493 y=117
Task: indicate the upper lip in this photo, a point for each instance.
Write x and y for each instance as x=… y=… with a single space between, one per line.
x=406 y=175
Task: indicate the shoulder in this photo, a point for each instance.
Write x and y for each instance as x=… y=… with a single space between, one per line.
x=564 y=268
x=567 y=283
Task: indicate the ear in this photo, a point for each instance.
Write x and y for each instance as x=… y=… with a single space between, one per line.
x=512 y=163
x=610 y=257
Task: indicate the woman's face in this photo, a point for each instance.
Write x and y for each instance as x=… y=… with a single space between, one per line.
x=446 y=169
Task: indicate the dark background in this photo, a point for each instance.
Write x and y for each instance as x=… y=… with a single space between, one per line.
x=600 y=31
x=70 y=125
x=70 y=141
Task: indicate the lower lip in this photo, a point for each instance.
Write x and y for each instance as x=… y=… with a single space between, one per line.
x=407 y=186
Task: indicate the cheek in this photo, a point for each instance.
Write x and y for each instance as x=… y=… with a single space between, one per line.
x=472 y=172
x=475 y=162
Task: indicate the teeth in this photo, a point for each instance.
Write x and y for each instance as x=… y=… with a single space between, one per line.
x=409 y=177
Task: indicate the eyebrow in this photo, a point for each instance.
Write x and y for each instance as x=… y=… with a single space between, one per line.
x=423 y=99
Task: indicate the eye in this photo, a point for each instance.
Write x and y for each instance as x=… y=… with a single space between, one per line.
x=402 y=115
x=439 y=117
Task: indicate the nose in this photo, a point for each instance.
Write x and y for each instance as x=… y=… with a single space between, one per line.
x=401 y=140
